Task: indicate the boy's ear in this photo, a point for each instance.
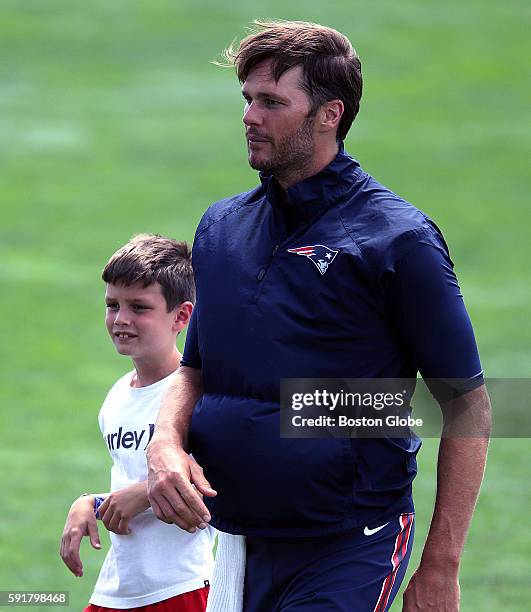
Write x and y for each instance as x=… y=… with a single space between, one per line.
x=183 y=312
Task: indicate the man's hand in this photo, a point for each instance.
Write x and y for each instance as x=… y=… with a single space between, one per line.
x=121 y=506
x=176 y=486
x=79 y=522
x=432 y=589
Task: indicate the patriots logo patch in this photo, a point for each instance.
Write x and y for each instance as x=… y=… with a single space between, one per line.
x=319 y=254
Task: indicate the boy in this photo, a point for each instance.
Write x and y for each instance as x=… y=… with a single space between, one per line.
x=151 y=565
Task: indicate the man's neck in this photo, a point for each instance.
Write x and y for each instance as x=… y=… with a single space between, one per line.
x=319 y=162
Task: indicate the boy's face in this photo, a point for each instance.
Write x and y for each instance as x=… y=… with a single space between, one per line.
x=139 y=323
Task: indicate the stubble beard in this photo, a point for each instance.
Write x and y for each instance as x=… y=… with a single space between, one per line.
x=292 y=154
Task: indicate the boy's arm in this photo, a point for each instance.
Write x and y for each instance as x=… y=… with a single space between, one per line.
x=175 y=481
x=80 y=522
x=121 y=506
x=115 y=512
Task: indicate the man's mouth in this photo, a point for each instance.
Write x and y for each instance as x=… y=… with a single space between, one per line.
x=256 y=138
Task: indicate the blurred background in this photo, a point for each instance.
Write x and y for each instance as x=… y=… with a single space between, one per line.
x=113 y=121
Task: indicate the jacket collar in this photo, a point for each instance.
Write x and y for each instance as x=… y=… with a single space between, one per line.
x=314 y=195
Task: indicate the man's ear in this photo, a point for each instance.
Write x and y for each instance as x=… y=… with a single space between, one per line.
x=182 y=314
x=330 y=115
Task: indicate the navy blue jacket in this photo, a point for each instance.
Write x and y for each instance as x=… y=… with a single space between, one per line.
x=376 y=297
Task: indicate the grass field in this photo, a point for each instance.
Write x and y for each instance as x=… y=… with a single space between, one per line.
x=113 y=121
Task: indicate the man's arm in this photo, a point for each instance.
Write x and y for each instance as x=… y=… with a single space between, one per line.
x=460 y=468
x=175 y=481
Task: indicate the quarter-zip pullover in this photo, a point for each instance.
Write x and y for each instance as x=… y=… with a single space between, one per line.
x=338 y=277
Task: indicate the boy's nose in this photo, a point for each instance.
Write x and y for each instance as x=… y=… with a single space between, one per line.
x=121 y=318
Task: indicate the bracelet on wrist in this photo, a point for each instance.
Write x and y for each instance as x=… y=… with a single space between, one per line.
x=97 y=503
x=98 y=500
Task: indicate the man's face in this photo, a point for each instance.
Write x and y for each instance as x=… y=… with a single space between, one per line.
x=278 y=125
x=138 y=321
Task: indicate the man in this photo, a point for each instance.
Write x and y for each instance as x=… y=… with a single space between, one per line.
x=320 y=272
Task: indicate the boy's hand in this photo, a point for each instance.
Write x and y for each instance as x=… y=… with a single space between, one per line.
x=176 y=486
x=79 y=522
x=121 y=506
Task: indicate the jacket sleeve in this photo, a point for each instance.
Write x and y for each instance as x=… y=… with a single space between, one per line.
x=191 y=356
x=429 y=314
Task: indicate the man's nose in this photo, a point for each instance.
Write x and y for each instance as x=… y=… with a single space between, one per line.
x=251 y=114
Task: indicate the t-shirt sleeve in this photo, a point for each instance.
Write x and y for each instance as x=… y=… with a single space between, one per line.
x=191 y=356
x=101 y=422
x=429 y=313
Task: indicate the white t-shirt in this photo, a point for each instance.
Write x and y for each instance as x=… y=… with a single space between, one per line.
x=156 y=560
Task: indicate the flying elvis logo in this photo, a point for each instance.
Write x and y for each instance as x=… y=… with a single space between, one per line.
x=319 y=254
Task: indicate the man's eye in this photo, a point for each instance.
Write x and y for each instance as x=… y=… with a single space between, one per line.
x=269 y=102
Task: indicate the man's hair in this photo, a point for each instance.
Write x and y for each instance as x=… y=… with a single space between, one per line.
x=151 y=258
x=331 y=68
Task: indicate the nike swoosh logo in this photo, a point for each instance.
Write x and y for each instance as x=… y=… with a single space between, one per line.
x=369 y=532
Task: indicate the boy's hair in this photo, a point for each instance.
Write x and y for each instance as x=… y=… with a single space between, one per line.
x=151 y=258
x=331 y=68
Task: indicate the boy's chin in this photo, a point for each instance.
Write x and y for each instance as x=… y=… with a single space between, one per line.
x=124 y=349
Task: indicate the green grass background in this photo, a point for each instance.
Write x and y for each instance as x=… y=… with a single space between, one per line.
x=113 y=121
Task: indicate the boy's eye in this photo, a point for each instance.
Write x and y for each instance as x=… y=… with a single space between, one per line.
x=111 y=305
x=140 y=307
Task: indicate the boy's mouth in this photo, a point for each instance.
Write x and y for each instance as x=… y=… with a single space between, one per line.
x=124 y=335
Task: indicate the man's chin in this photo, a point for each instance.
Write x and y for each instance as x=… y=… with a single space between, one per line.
x=262 y=165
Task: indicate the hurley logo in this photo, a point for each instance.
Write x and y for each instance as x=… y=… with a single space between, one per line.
x=129 y=439
x=320 y=254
